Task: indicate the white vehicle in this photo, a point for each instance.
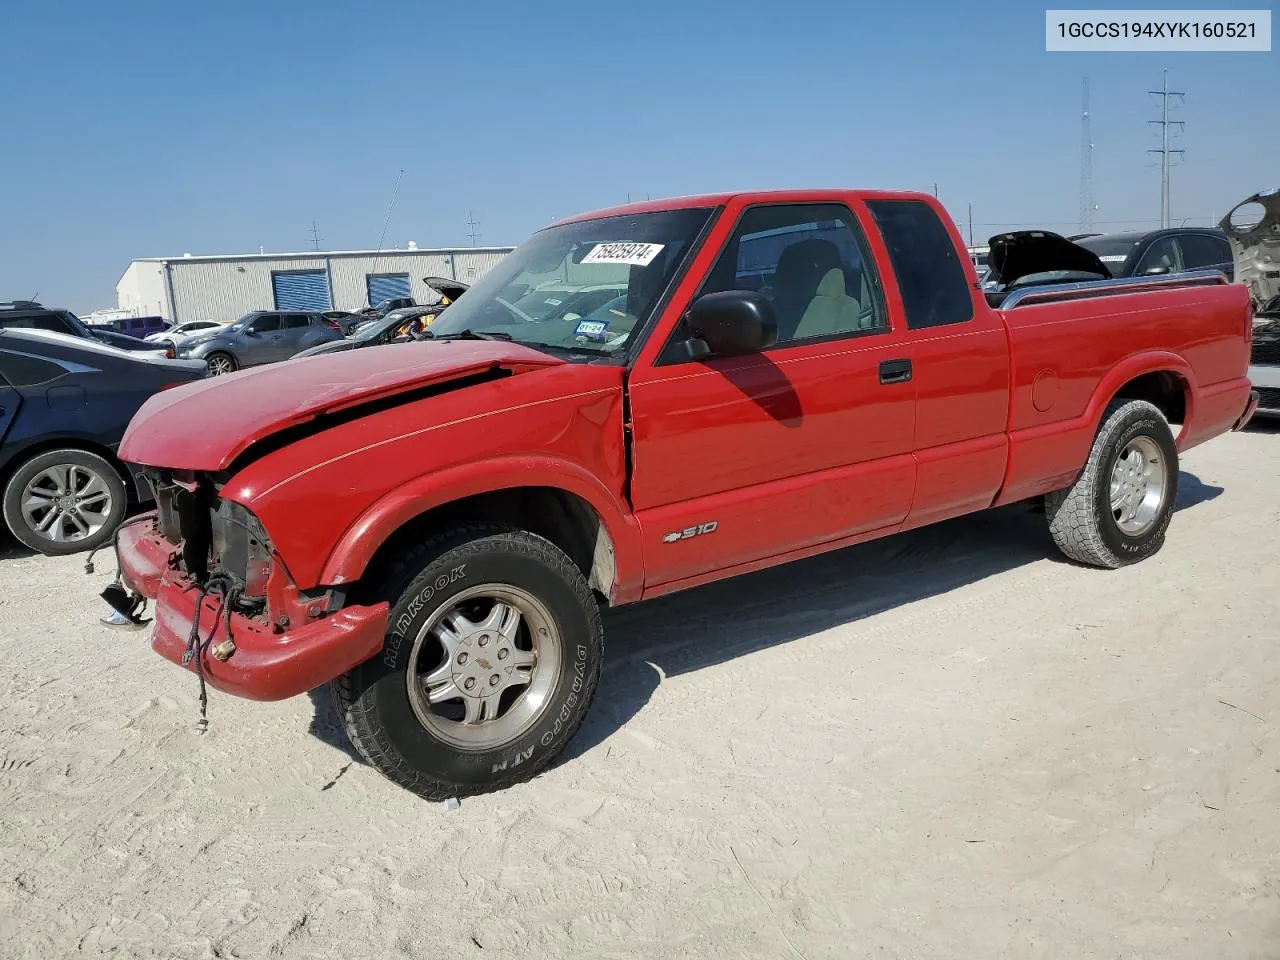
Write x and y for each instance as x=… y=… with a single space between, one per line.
x=182 y=330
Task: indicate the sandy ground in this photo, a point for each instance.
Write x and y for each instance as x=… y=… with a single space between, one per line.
x=948 y=744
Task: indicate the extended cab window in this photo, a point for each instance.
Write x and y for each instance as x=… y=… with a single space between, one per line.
x=811 y=262
x=930 y=276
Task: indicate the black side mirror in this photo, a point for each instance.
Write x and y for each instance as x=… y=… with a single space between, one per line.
x=729 y=324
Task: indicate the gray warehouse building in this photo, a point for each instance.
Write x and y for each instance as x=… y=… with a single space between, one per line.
x=228 y=287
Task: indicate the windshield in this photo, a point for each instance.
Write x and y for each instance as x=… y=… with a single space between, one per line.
x=1112 y=251
x=541 y=293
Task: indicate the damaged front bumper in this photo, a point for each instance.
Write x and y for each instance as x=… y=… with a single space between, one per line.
x=269 y=659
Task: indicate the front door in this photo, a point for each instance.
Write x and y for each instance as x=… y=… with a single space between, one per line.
x=738 y=460
x=262 y=340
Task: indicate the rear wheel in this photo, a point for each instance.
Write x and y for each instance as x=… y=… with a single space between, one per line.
x=490 y=663
x=64 y=501
x=220 y=363
x=1119 y=508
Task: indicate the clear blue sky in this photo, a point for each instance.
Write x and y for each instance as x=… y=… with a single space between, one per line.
x=152 y=129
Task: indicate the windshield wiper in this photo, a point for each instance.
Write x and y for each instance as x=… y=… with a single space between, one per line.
x=468 y=334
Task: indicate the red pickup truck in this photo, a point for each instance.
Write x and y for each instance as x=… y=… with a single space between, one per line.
x=434 y=527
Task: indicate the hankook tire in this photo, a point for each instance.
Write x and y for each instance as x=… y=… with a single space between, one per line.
x=490 y=663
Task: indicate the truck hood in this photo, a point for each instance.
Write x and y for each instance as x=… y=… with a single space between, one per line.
x=1256 y=250
x=1022 y=253
x=208 y=424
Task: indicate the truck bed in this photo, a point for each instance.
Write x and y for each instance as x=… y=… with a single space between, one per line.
x=1189 y=324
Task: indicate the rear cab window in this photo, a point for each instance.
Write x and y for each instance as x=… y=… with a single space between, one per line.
x=934 y=287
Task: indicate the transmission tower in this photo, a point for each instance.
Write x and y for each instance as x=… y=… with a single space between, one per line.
x=1165 y=152
x=1086 y=163
x=315 y=235
x=471 y=222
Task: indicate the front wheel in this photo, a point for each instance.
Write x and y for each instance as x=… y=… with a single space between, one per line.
x=220 y=363
x=1119 y=508
x=490 y=663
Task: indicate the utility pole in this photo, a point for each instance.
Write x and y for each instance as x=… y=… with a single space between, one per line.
x=971 y=224
x=471 y=222
x=935 y=191
x=315 y=235
x=1165 y=153
x=1086 y=163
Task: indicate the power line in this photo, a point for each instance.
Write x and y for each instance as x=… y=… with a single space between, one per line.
x=1165 y=152
x=1086 y=162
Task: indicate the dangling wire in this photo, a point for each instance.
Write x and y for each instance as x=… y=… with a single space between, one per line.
x=229 y=592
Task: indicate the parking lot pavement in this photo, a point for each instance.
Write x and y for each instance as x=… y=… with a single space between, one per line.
x=946 y=744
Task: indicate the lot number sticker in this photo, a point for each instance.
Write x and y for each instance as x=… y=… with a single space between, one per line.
x=591 y=329
x=635 y=254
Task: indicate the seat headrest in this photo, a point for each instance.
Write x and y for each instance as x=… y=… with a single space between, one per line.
x=806 y=262
x=832 y=284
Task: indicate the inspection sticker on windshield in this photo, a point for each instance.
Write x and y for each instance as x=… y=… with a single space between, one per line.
x=1114 y=258
x=635 y=254
x=591 y=329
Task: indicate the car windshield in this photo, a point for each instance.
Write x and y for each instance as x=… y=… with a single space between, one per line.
x=1113 y=251
x=624 y=260
x=371 y=331
x=243 y=322
x=77 y=324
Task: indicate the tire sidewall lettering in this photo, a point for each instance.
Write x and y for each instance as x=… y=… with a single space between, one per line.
x=395 y=639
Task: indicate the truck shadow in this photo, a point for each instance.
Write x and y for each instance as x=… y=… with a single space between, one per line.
x=685 y=632
x=707 y=625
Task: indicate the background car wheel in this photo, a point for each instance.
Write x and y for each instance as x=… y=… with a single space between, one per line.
x=1118 y=510
x=489 y=666
x=220 y=363
x=64 y=501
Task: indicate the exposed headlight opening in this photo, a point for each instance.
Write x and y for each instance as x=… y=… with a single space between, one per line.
x=241 y=548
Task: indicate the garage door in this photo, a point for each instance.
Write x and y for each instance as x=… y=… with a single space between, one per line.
x=387 y=286
x=300 y=290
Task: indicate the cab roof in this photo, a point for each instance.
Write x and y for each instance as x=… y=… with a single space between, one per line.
x=749 y=196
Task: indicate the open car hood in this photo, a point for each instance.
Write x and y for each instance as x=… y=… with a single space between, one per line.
x=1256 y=250
x=1013 y=256
x=208 y=424
x=452 y=289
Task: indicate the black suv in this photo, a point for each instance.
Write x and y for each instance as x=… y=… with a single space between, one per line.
x=1155 y=252
x=64 y=404
x=29 y=315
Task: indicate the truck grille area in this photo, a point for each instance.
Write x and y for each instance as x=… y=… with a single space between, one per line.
x=1268 y=398
x=1266 y=351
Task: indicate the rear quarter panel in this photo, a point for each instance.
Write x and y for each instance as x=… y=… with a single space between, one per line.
x=1070 y=358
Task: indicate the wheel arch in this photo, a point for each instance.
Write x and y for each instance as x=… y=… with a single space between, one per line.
x=571 y=511
x=1165 y=380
